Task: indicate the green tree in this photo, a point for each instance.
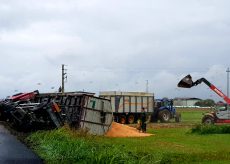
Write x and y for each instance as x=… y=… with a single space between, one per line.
x=205 y=103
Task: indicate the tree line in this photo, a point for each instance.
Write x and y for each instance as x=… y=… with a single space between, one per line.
x=205 y=103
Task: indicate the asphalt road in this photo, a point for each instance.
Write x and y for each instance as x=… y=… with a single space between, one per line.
x=13 y=151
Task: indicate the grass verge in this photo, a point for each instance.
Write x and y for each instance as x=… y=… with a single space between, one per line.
x=67 y=146
x=174 y=144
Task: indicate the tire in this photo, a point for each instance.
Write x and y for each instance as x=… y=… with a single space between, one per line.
x=178 y=117
x=122 y=119
x=131 y=119
x=164 y=116
x=4 y=111
x=208 y=120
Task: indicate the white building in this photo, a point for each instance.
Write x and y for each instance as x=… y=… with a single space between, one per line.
x=185 y=101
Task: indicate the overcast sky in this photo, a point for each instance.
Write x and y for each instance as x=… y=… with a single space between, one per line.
x=114 y=45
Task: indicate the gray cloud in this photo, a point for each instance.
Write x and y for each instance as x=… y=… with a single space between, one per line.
x=113 y=45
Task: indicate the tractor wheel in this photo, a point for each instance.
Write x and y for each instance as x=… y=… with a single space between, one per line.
x=178 y=117
x=131 y=119
x=208 y=120
x=122 y=119
x=164 y=116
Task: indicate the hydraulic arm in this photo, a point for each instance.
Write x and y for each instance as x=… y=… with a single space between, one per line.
x=187 y=82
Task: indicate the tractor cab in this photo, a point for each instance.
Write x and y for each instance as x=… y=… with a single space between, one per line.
x=223 y=107
x=222 y=111
x=164 y=111
x=165 y=103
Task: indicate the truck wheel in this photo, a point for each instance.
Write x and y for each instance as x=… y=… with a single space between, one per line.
x=164 y=116
x=178 y=117
x=208 y=120
x=131 y=119
x=122 y=119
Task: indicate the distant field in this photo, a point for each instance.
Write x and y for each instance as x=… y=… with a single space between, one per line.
x=171 y=143
x=192 y=115
x=189 y=118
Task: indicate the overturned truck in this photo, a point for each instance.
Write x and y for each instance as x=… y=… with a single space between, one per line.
x=35 y=111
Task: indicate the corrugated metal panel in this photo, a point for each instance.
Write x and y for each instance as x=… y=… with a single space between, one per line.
x=151 y=104
x=113 y=103
x=133 y=104
x=139 y=104
x=84 y=111
x=97 y=116
x=126 y=103
x=130 y=101
x=145 y=102
x=120 y=106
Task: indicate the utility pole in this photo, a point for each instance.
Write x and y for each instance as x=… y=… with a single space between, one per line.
x=228 y=81
x=64 y=77
x=147 y=86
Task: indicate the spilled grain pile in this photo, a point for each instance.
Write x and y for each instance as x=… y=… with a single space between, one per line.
x=121 y=130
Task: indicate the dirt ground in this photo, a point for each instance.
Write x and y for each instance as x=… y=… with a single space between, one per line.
x=121 y=130
x=168 y=125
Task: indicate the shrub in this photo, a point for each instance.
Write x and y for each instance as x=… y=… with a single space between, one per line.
x=211 y=129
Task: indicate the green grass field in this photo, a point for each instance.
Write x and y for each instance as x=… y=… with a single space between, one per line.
x=173 y=143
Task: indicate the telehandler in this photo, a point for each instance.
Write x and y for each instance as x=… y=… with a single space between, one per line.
x=221 y=114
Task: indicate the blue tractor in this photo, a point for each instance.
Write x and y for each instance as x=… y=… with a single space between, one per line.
x=164 y=111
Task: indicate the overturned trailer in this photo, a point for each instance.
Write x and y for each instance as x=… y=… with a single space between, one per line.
x=21 y=113
x=82 y=110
